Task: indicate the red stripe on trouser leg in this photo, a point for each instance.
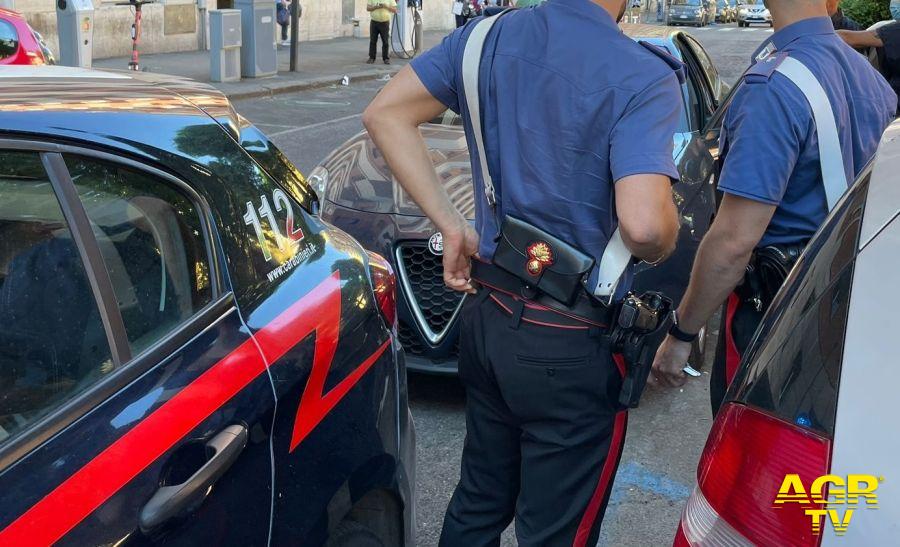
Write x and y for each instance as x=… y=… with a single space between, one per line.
x=606 y=475
x=732 y=355
x=620 y=363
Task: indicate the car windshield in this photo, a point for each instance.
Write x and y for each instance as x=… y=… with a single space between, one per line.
x=685 y=2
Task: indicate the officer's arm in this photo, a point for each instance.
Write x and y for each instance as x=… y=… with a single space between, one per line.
x=648 y=219
x=393 y=120
x=722 y=258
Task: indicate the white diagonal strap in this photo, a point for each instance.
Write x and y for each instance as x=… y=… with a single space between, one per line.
x=616 y=256
x=471 y=66
x=831 y=157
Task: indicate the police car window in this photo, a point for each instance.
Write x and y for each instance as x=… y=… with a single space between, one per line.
x=151 y=238
x=52 y=341
x=796 y=358
x=9 y=40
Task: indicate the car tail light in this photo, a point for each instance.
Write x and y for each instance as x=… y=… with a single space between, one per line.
x=384 y=284
x=34 y=58
x=741 y=470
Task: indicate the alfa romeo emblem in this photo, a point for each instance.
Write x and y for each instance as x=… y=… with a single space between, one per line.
x=540 y=255
x=436 y=244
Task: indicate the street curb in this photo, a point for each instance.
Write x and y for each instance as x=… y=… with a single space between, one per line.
x=312 y=83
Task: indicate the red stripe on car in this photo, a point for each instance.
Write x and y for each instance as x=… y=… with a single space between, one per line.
x=92 y=485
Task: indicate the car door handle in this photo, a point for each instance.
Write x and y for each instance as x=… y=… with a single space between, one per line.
x=172 y=501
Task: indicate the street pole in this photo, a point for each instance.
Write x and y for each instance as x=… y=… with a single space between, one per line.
x=295 y=35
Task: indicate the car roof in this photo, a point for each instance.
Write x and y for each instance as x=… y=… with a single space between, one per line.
x=69 y=102
x=883 y=199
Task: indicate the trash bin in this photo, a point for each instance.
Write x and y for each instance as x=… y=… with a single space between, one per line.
x=75 y=26
x=225 y=45
x=258 y=54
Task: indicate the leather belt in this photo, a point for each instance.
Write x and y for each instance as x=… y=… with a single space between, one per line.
x=539 y=308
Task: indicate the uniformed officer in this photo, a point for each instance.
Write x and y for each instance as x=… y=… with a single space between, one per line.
x=578 y=123
x=775 y=186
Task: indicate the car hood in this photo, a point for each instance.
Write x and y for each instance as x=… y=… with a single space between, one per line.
x=359 y=178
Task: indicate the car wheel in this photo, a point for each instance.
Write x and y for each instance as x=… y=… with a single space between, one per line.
x=350 y=533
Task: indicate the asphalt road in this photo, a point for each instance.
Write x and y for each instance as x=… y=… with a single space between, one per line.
x=666 y=435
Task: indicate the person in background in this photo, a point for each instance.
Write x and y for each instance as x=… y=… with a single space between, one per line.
x=283 y=17
x=887 y=41
x=381 y=12
x=838 y=19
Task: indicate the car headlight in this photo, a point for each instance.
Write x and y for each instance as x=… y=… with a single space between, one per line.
x=318 y=180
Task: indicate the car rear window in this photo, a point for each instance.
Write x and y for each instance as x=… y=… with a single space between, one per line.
x=795 y=359
x=9 y=40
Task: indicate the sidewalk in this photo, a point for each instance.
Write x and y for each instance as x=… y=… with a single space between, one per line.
x=322 y=63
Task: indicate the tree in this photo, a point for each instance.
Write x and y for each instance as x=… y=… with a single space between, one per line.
x=866 y=12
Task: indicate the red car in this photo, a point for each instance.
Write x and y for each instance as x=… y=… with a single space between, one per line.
x=19 y=43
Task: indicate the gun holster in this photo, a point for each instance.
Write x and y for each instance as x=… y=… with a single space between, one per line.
x=640 y=326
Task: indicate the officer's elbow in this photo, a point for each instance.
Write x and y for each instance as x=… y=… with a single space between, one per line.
x=653 y=237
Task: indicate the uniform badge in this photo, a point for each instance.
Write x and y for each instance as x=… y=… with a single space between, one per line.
x=540 y=255
x=436 y=244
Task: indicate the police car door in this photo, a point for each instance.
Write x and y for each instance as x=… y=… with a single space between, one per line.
x=135 y=409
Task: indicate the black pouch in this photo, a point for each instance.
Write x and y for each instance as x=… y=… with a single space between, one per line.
x=541 y=260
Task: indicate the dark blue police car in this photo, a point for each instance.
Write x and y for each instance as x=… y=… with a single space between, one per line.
x=188 y=354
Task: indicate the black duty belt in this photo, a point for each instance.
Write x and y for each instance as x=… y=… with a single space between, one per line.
x=517 y=297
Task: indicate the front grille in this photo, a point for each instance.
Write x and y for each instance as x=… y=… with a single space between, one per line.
x=410 y=339
x=422 y=276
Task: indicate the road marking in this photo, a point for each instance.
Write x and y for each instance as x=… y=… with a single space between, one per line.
x=314 y=125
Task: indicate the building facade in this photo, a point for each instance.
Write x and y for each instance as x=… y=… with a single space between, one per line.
x=175 y=25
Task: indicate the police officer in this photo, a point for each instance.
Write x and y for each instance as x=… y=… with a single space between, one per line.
x=773 y=181
x=578 y=123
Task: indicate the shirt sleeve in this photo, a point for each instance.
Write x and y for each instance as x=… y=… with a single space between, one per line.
x=764 y=137
x=437 y=70
x=641 y=141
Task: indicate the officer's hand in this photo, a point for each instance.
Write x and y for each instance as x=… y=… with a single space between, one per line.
x=459 y=248
x=668 y=366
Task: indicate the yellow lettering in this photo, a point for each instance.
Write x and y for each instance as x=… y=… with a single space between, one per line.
x=792 y=491
x=815 y=516
x=840 y=525
x=862 y=486
x=818 y=493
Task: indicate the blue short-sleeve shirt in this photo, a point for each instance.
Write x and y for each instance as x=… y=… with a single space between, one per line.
x=769 y=142
x=570 y=105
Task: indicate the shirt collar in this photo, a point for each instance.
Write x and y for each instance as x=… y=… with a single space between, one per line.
x=790 y=33
x=588 y=9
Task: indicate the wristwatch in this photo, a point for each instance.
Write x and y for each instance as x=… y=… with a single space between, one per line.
x=678 y=334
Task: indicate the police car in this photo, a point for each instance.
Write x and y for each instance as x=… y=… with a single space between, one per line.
x=809 y=412
x=359 y=195
x=188 y=354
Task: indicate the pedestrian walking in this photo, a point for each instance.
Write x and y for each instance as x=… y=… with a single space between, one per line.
x=572 y=164
x=283 y=17
x=785 y=164
x=381 y=12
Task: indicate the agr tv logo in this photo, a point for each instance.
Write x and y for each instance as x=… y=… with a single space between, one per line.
x=826 y=495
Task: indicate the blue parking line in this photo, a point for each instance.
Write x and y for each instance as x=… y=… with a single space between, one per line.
x=633 y=474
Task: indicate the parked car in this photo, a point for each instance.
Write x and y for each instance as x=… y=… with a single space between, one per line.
x=688 y=12
x=726 y=12
x=360 y=195
x=753 y=11
x=164 y=282
x=19 y=43
x=810 y=397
